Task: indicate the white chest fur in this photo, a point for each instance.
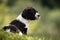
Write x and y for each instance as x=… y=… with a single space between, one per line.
x=21 y=19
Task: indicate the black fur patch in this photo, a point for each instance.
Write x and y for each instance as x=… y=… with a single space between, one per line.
x=18 y=24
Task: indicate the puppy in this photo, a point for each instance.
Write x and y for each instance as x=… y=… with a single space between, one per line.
x=21 y=23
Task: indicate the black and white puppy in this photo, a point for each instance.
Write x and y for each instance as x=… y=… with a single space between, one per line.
x=21 y=23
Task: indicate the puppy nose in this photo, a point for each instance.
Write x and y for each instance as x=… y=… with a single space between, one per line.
x=38 y=15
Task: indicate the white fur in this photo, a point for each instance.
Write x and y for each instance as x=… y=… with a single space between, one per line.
x=21 y=19
x=20 y=33
x=7 y=30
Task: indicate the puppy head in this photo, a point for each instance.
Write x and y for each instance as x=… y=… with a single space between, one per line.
x=30 y=13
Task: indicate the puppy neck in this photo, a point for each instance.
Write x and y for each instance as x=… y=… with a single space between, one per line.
x=21 y=19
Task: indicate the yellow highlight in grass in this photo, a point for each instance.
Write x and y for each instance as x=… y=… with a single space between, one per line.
x=33 y=25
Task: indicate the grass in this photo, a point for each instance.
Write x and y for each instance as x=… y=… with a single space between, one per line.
x=45 y=29
x=14 y=36
x=11 y=36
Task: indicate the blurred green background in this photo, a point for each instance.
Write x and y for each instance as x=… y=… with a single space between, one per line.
x=47 y=27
